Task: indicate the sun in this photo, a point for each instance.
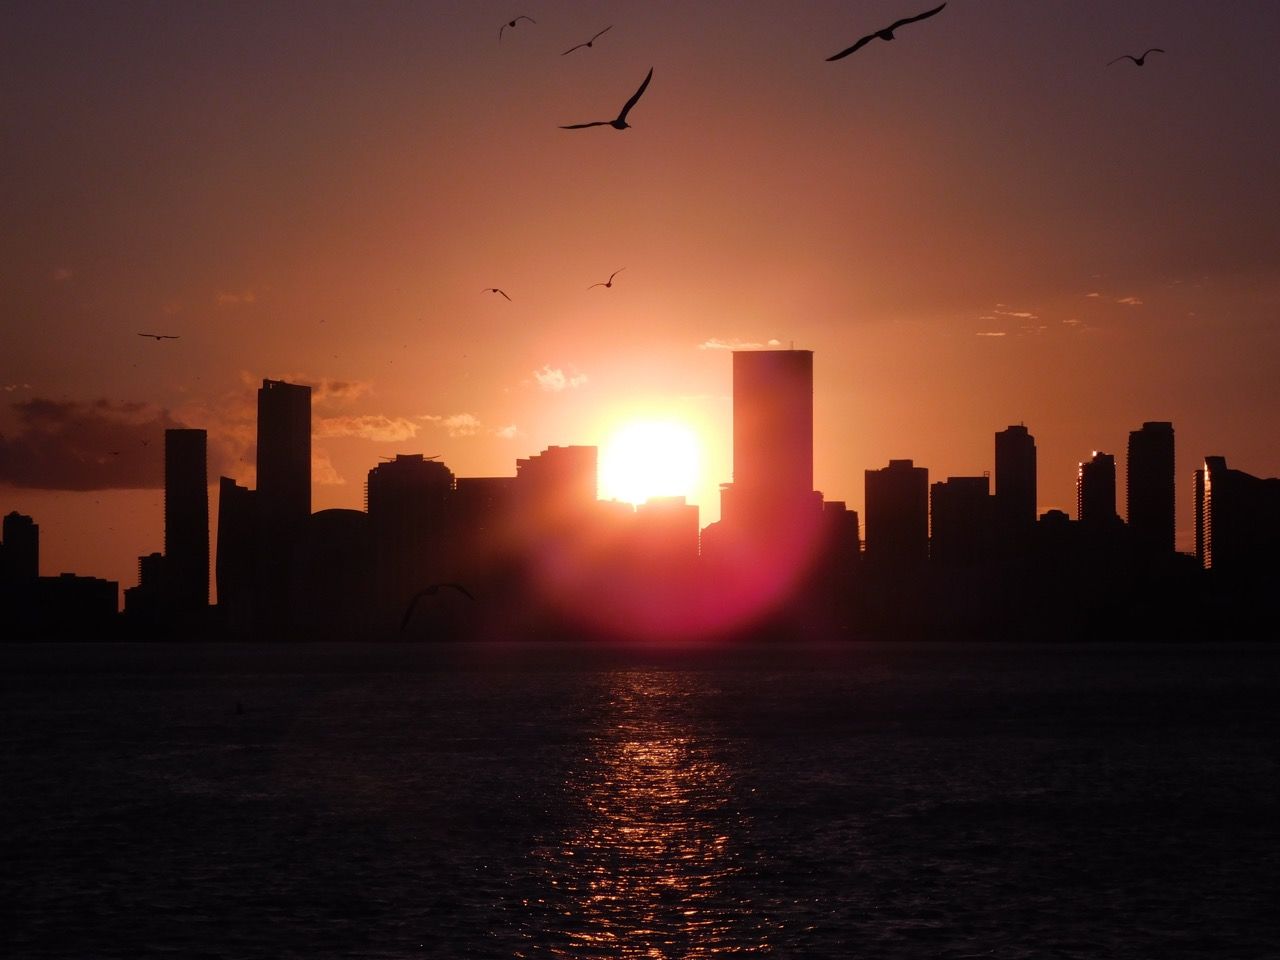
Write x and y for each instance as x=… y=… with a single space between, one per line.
x=649 y=458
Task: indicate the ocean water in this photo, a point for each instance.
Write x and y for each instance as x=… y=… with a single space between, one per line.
x=564 y=800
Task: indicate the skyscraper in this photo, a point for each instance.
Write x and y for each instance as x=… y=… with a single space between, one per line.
x=284 y=452
x=408 y=501
x=1240 y=517
x=1096 y=491
x=1150 y=489
x=186 y=521
x=1015 y=497
x=773 y=422
x=21 y=557
x=897 y=505
x=960 y=520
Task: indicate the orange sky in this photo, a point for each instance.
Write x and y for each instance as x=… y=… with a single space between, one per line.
x=976 y=225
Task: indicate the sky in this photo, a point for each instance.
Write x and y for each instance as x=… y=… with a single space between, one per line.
x=978 y=224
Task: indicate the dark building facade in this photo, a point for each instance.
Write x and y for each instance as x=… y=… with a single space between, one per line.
x=284 y=452
x=20 y=557
x=186 y=521
x=1096 y=491
x=237 y=548
x=1241 y=519
x=1150 y=496
x=897 y=521
x=773 y=422
x=408 y=501
x=1015 y=494
x=960 y=520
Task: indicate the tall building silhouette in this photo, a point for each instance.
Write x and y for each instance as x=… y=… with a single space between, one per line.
x=408 y=502
x=773 y=420
x=897 y=521
x=1150 y=489
x=557 y=485
x=186 y=521
x=1015 y=496
x=1096 y=491
x=960 y=520
x=20 y=558
x=237 y=549
x=284 y=452
x=1241 y=519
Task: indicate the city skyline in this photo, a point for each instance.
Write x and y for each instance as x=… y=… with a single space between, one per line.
x=1091 y=249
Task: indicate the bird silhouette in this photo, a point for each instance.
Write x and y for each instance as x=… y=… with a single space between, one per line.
x=608 y=283
x=886 y=33
x=161 y=336
x=431 y=591
x=588 y=42
x=495 y=290
x=1138 y=60
x=621 y=122
x=512 y=23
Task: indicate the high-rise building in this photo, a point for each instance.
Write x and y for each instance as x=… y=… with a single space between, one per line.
x=897 y=505
x=186 y=521
x=667 y=532
x=21 y=556
x=237 y=548
x=960 y=520
x=1015 y=496
x=557 y=482
x=1241 y=519
x=408 y=502
x=284 y=452
x=773 y=422
x=1150 y=490
x=1096 y=491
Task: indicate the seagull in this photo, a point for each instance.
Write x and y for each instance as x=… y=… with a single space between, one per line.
x=160 y=336
x=431 y=591
x=1138 y=60
x=512 y=23
x=621 y=122
x=495 y=290
x=589 y=42
x=886 y=33
x=608 y=283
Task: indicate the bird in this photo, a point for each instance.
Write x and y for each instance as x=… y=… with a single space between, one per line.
x=589 y=42
x=621 y=122
x=886 y=33
x=161 y=336
x=608 y=283
x=1138 y=60
x=431 y=591
x=495 y=290
x=512 y=23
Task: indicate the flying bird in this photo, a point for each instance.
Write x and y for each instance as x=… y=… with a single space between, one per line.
x=431 y=591
x=161 y=336
x=621 y=122
x=608 y=283
x=495 y=290
x=1138 y=60
x=887 y=32
x=589 y=42
x=512 y=23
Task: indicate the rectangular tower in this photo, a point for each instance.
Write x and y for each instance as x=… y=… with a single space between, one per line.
x=186 y=520
x=1015 y=497
x=897 y=505
x=1096 y=491
x=284 y=452
x=1150 y=490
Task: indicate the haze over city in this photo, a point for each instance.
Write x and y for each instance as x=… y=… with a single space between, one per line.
x=982 y=223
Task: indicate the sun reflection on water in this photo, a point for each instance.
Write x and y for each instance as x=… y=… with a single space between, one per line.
x=644 y=869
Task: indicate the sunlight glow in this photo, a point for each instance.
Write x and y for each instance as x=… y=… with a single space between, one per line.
x=649 y=458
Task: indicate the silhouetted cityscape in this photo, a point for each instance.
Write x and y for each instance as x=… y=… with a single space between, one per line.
x=435 y=556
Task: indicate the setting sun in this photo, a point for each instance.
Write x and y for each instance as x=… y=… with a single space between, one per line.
x=649 y=458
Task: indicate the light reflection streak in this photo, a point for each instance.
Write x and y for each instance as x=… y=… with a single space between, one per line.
x=645 y=868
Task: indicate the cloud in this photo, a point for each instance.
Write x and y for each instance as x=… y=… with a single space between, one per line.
x=87 y=445
x=10 y=387
x=991 y=333
x=323 y=389
x=1094 y=296
x=373 y=426
x=555 y=380
x=458 y=424
x=1130 y=301
x=1020 y=314
x=225 y=299
x=62 y=274
x=715 y=343
x=322 y=470
x=508 y=432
